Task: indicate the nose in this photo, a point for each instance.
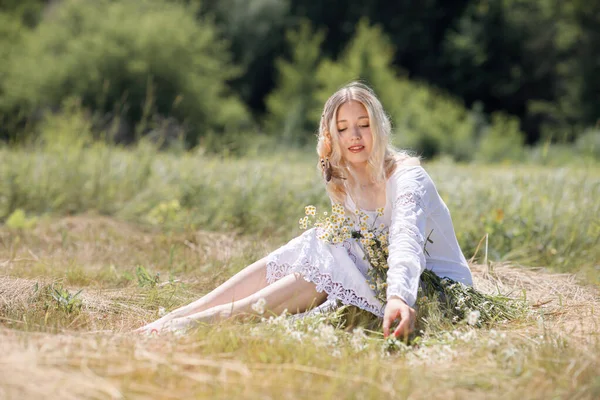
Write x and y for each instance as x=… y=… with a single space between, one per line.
x=356 y=133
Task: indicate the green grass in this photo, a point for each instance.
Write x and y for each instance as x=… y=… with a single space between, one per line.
x=111 y=238
x=537 y=216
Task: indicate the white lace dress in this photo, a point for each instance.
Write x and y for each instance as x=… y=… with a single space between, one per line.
x=414 y=211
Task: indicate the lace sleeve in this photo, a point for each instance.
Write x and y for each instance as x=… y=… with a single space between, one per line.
x=406 y=258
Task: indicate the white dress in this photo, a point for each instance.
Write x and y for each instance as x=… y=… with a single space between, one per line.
x=414 y=211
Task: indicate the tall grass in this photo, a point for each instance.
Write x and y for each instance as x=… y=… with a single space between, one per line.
x=70 y=287
x=533 y=215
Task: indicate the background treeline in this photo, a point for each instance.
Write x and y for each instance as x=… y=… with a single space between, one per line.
x=471 y=79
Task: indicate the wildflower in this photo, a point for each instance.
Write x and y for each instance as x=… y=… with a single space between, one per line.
x=310 y=210
x=327 y=335
x=473 y=317
x=358 y=339
x=259 y=306
x=380 y=212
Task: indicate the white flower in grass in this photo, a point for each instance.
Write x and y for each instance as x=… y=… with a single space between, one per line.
x=327 y=335
x=473 y=317
x=259 y=306
x=357 y=341
x=255 y=331
x=297 y=335
x=162 y=311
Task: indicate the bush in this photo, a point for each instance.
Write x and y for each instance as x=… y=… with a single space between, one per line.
x=502 y=141
x=128 y=59
x=589 y=143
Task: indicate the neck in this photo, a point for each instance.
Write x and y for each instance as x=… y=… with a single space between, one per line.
x=362 y=174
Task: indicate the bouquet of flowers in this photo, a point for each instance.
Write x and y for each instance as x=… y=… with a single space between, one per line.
x=463 y=303
x=337 y=227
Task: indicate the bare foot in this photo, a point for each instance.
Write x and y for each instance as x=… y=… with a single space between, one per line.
x=209 y=316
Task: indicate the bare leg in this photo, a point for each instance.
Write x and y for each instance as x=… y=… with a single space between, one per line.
x=291 y=292
x=246 y=282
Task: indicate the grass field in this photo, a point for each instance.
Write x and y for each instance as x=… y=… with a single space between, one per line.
x=111 y=238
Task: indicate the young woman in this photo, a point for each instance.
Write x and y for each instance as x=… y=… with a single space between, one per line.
x=362 y=172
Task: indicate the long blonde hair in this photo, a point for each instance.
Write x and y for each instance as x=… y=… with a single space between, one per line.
x=383 y=158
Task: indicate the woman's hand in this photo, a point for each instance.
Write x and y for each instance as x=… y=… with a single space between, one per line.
x=394 y=309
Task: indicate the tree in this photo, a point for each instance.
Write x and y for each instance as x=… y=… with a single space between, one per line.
x=255 y=29
x=130 y=59
x=425 y=119
x=292 y=104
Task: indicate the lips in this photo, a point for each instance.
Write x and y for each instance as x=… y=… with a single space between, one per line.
x=356 y=149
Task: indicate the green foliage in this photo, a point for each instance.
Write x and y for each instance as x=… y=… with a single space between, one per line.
x=11 y=35
x=68 y=131
x=255 y=32
x=67 y=301
x=589 y=143
x=461 y=303
x=58 y=297
x=367 y=57
x=532 y=214
x=426 y=119
x=133 y=60
x=167 y=212
x=291 y=106
x=432 y=122
x=28 y=12
x=502 y=141
x=504 y=54
x=145 y=278
x=18 y=220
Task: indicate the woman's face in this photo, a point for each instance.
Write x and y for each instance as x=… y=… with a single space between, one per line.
x=356 y=140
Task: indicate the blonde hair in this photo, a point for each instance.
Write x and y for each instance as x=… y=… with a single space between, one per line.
x=383 y=158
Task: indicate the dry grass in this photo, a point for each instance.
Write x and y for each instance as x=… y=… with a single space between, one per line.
x=89 y=354
x=560 y=301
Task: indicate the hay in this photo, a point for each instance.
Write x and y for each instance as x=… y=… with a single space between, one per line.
x=561 y=302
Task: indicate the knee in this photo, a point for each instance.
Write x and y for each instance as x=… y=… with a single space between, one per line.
x=310 y=289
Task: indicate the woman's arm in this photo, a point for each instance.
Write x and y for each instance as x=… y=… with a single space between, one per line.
x=410 y=196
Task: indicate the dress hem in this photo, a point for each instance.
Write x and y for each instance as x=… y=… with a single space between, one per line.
x=323 y=282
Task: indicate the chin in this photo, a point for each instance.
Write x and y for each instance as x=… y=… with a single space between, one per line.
x=357 y=161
